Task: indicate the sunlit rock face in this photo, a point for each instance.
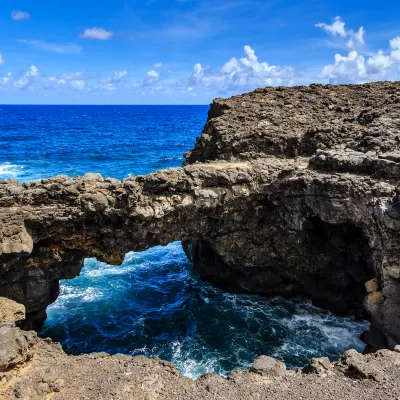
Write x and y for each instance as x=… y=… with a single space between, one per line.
x=288 y=191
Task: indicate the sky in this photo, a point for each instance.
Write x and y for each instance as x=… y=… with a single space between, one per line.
x=189 y=51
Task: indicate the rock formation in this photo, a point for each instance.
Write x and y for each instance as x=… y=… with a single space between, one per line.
x=287 y=191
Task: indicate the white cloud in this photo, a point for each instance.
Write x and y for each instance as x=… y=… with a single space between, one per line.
x=74 y=76
x=337 y=28
x=150 y=81
x=108 y=86
x=77 y=84
x=97 y=33
x=243 y=74
x=356 y=68
x=28 y=78
x=395 y=43
x=20 y=15
x=69 y=48
x=158 y=65
x=118 y=76
x=54 y=83
x=355 y=39
x=153 y=74
x=232 y=65
x=1 y=59
x=5 y=81
x=110 y=83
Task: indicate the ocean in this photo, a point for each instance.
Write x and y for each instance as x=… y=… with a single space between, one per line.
x=155 y=303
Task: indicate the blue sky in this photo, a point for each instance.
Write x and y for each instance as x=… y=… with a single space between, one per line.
x=189 y=51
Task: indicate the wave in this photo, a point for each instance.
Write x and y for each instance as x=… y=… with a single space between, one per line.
x=8 y=170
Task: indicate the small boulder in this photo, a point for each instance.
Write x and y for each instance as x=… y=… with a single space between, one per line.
x=10 y=312
x=268 y=366
x=319 y=366
x=92 y=176
x=15 y=346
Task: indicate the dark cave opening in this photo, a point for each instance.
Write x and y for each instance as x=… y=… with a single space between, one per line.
x=329 y=263
x=345 y=265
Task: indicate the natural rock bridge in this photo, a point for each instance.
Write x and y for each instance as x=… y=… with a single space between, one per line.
x=288 y=191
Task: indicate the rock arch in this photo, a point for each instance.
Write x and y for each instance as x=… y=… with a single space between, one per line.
x=271 y=200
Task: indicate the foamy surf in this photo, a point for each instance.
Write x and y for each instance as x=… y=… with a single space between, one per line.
x=9 y=170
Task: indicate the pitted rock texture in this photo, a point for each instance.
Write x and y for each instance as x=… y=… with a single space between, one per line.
x=288 y=191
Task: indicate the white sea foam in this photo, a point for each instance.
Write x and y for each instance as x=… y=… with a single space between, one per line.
x=8 y=170
x=68 y=293
x=189 y=365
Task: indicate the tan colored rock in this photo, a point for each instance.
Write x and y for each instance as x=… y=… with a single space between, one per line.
x=373 y=301
x=320 y=365
x=268 y=366
x=15 y=346
x=372 y=285
x=10 y=311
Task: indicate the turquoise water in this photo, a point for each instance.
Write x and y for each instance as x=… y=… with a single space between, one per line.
x=155 y=304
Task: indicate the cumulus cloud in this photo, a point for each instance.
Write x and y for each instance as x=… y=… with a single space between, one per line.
x=1 y=59
x=28 y=78
x=357 y=68
x=20 y=15
x=6 y=80
x=97 y=33
x=153 y=74
x=77 y=84
x=355 y=39
x=158 y=65
x=246 y=73
x=151 y=81
x=69 y=48
x=337 y=28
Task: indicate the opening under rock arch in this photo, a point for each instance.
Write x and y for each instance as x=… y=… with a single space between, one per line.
x=156 y=304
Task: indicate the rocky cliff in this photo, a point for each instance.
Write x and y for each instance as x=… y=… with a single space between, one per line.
x=287 y=191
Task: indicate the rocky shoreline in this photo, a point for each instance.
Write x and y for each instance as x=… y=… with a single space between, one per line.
x=288 y=191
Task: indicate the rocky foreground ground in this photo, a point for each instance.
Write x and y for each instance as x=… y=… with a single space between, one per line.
x=287 y=191
x=33 y=368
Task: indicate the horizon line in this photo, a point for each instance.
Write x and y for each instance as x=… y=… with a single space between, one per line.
x=83 y=104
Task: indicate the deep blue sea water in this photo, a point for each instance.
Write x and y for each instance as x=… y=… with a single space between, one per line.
x=155 y=304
